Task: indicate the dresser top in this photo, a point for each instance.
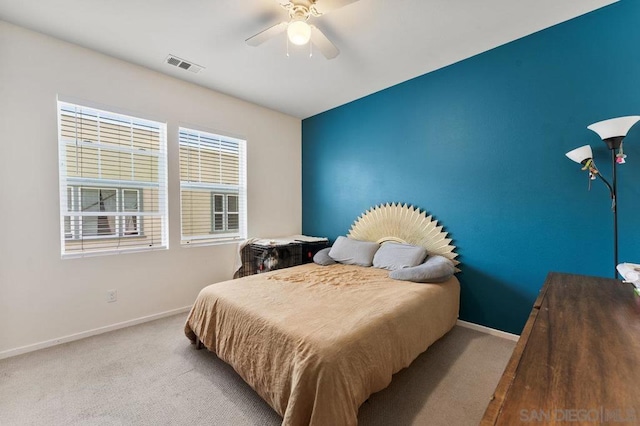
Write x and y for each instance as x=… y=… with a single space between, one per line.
x=578 y=358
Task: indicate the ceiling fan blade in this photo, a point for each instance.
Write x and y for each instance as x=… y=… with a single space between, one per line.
x=265 y=35
x=325 y=6
x=328 y=49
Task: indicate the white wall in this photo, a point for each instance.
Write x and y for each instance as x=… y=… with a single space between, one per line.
x=43 y=297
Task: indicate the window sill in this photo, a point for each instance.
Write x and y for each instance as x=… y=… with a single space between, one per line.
x=196 y=243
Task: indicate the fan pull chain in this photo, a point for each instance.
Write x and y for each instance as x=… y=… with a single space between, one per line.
x=287 y=47
x=310 y=49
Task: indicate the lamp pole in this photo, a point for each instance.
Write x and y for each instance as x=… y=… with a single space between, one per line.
x=613 y=144
x=614 y=207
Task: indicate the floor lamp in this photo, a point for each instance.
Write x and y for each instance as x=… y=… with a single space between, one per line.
x=612 y=132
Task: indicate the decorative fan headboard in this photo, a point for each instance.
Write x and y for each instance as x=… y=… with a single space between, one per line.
x=403 y=224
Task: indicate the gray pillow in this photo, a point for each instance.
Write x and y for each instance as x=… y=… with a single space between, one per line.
x=436 y=269
x=322 y=257
x=394 y=256
x=353 y=252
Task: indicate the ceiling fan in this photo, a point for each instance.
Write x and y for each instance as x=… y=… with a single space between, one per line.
x=299 y=32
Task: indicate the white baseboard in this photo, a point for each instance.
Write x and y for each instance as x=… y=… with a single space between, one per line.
x=488 y=330
x=77 y=336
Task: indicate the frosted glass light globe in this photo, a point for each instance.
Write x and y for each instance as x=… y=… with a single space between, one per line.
x=299 y=32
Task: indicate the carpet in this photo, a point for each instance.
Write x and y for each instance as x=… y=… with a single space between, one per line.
x=150 y=374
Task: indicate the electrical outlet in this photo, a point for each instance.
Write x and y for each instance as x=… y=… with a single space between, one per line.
x=112 y=295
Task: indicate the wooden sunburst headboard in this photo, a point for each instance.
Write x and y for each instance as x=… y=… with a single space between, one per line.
x=403 y=224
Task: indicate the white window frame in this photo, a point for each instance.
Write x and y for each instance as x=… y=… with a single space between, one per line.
x=160 y=238
x=225 y=235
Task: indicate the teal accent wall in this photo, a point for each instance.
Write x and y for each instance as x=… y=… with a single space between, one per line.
x=480 y=145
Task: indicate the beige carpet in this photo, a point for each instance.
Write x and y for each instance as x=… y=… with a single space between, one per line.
x=150 y=375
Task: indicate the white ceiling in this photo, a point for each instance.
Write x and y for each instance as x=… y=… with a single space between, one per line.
x=382 y=42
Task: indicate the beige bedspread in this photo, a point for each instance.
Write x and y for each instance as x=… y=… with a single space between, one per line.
x=316 y=341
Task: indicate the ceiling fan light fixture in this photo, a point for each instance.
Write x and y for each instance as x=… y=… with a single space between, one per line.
x=299 y=33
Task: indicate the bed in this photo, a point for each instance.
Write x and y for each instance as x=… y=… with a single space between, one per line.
x=316 y=341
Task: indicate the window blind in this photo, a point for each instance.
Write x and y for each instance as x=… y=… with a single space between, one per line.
x=113 y=182
x=212 y=187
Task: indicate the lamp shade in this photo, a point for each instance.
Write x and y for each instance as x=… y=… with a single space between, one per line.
x=580 y=154
x=614 y=127
x=299 y=32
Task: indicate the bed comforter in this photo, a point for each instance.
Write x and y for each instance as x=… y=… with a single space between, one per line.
x=316 y=341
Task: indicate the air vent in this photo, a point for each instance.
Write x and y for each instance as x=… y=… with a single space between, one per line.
x=185 y=65
x=173 y=61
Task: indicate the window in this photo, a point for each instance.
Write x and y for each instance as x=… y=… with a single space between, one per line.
x=112 y=182
x=212 y=187
x=225 y=212
x=92 y=199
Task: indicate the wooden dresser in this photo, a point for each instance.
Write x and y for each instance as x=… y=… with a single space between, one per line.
x=578 y=359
